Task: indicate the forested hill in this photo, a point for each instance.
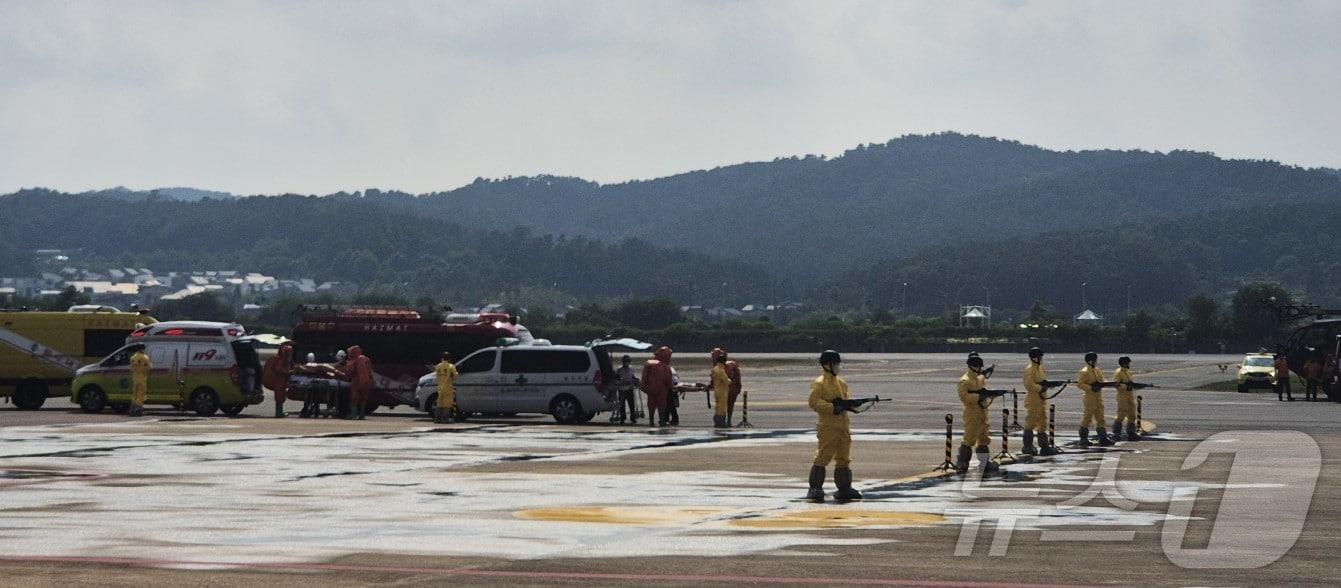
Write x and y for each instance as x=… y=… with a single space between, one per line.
x=813 y=217
x=359 y=241
x=1214 y=252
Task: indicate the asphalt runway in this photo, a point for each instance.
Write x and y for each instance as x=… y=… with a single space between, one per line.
x=1228 y=489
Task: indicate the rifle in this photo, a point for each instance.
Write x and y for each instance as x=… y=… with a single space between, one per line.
x=1129 y=385
x=986 y=394
x=852 y=404
x=1059 y=384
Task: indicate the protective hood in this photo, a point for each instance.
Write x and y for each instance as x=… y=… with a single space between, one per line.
x=663 y=354
x=355 y=352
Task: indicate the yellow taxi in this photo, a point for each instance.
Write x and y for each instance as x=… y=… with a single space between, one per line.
x=1258 y=370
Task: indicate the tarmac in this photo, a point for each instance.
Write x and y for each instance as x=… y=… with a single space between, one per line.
x=1224 y=488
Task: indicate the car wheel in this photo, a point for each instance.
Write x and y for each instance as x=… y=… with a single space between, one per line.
x=204 y=401
x=30 y=394
x=233 y=410
x=586 y=418
x=566 y=410
x=92 y=399
x=370 y=408
x=1243 y=389
x=431 y=406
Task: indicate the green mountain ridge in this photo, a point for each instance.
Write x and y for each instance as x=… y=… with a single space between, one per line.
x=1136 y=264
x=359 y=241
x=915 y=209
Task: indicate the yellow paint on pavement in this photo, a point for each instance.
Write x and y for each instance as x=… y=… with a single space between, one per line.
x=830 y=518
x=641 y=516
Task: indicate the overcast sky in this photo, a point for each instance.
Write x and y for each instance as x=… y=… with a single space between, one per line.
x=316 y=97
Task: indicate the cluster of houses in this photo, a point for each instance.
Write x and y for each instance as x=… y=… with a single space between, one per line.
x=780 y=313
x=122 y=287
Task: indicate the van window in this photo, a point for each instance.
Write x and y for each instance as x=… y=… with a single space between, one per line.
x=102 y=342
x=481 y=362
x=549 y=361
x=164 y=356
x=121 y=357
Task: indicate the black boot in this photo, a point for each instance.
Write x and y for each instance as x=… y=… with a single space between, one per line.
x=1117 y=429
x=1045 y=446
x=1084 y=437
x=1104 y=439
x=718 y=422
x=1131 y=432
x=816 y=493
x=962 y=459
x=1029 y=443
x=842 y=477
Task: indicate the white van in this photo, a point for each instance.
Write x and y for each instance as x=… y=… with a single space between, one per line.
x=566 y=381
x=200 y=366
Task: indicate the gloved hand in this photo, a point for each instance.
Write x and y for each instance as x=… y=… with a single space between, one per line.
x=840 y=405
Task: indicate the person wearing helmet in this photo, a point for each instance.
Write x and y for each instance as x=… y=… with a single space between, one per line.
x=359 y=370
x=626 y=382
x=1089 y=381
x=1126 y=400
x=657 y=384
x=732 y=372
x=445 y=411
x=1283 y=378
x=976 y=438
x=1036 y=406
x=140 y=366
x=832 y=432
x=275 y=376
x=721 y=390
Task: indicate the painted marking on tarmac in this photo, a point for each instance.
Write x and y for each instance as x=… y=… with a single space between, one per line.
x=420 y=492
x=479 y=573
x=831 y=518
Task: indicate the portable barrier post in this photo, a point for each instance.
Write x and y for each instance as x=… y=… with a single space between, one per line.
x=1138 y=415
x=1005 y=436
x=1052 y=426
x=948 y=464
x=1015 y=411
x=745 y=410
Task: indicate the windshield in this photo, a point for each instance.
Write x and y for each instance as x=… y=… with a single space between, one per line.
x=1258 y=362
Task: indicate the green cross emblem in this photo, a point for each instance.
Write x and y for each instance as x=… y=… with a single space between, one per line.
x=521 y=380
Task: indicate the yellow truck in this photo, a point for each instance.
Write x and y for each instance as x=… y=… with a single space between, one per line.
x=40 y=351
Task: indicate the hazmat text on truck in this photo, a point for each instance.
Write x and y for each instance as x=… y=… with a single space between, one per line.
x=40 y=351
x=402 y=344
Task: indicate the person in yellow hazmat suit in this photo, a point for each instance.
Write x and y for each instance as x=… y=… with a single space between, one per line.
x=1036 y=406
x=1090 y=382
x=1126 y=400
x=831 y=428
x=446 y=374
x=976 y=437
x=721 y=390
x=139 y=379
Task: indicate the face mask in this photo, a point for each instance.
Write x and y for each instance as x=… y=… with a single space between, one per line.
x=834 y=369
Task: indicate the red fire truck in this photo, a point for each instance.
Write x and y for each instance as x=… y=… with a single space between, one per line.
x=401 y=343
